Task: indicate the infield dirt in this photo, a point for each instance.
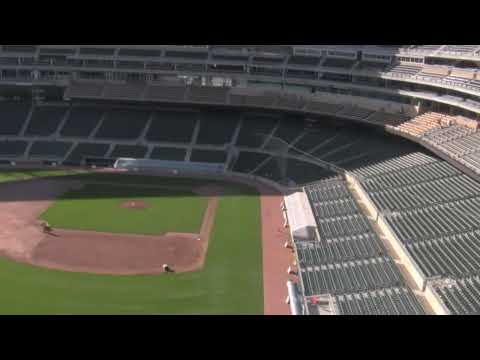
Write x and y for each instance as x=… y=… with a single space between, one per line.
x=22 y=238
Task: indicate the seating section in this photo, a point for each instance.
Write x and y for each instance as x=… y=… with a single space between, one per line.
x=12 y=148
x=371 y=66
x=208 y=156
x=123 y=124
x=339 y=63
x=13 y=116
x=255 y=129
x=403 y=70
x=81 y=122
x=311 y=139
x=273 y=169
x=422 y=124
x=291 y=172
x=209 y=94
x=347 y=260
x=166 y=153
x=246 y=162
x=432 y=209
x=456 y=136
x=49 y=149
x=462 y=297
x=84 y=150
x=171 y=92
x=124 y=91
x=347 y=248
x=323 y=108
x=217 y=128
x=350 y=276
x=85 y=89
x=354 y=112
x=467 y=49
x=391 y=301
x=254 y=99
x=129 y=151
x=45 y=120
x=291 y=101
x=304 y=60
x=289 y=129
x=301 y=172
x=456 y=255
x=172 y=126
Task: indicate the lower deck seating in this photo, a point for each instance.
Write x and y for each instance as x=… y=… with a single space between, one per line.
x=350 y=276
x=255 y=129
x=363 y=246
x=313 y=138
x=81 y=122
x=273 y=170
x=129 y=151
x=13 y=116
x=390 y=301
x=208 y=156
x=12 y=148
x=49 y=149
x=45 y=120
x=302 y=172
x=84 y=150
x=248 y=161
x=166 y=153
x=462 y=297
x=172 y=126
x=217 y=128
x=289 y=128
x=123 y=124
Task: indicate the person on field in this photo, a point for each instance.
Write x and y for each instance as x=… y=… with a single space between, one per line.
x=47 y=229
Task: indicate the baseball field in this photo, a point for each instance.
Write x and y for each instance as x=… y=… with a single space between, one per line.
x=112 y=233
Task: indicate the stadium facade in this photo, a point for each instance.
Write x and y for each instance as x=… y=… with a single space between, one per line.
x=376 y=147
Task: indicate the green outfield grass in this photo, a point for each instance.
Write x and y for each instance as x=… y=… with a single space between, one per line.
x=96 y=207
x=230 y=282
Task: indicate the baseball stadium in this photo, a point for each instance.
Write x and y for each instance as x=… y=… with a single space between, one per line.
x=240 y=179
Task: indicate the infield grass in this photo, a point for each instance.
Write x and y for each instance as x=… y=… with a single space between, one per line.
x=97 y=207
x=230 y=282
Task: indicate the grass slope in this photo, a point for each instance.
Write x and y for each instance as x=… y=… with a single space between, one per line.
x=96 y=207
x=230 y=283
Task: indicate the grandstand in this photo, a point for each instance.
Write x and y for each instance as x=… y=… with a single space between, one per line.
x=379 y=144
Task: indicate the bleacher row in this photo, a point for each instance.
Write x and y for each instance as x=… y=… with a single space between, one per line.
x=425 y=194
x=433 y=210
x=347 y=260
x=457 y=137
x=388 y=301
x=455 y=77
x=350 y=276
x=462 y=297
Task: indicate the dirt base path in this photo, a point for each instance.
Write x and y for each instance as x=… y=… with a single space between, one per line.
x=20 y=205
x=118 y=254
x=276 y=258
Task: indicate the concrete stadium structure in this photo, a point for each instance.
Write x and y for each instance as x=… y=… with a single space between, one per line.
x=375 y=147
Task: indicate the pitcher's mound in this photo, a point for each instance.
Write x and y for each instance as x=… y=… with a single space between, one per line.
x=134 y=204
